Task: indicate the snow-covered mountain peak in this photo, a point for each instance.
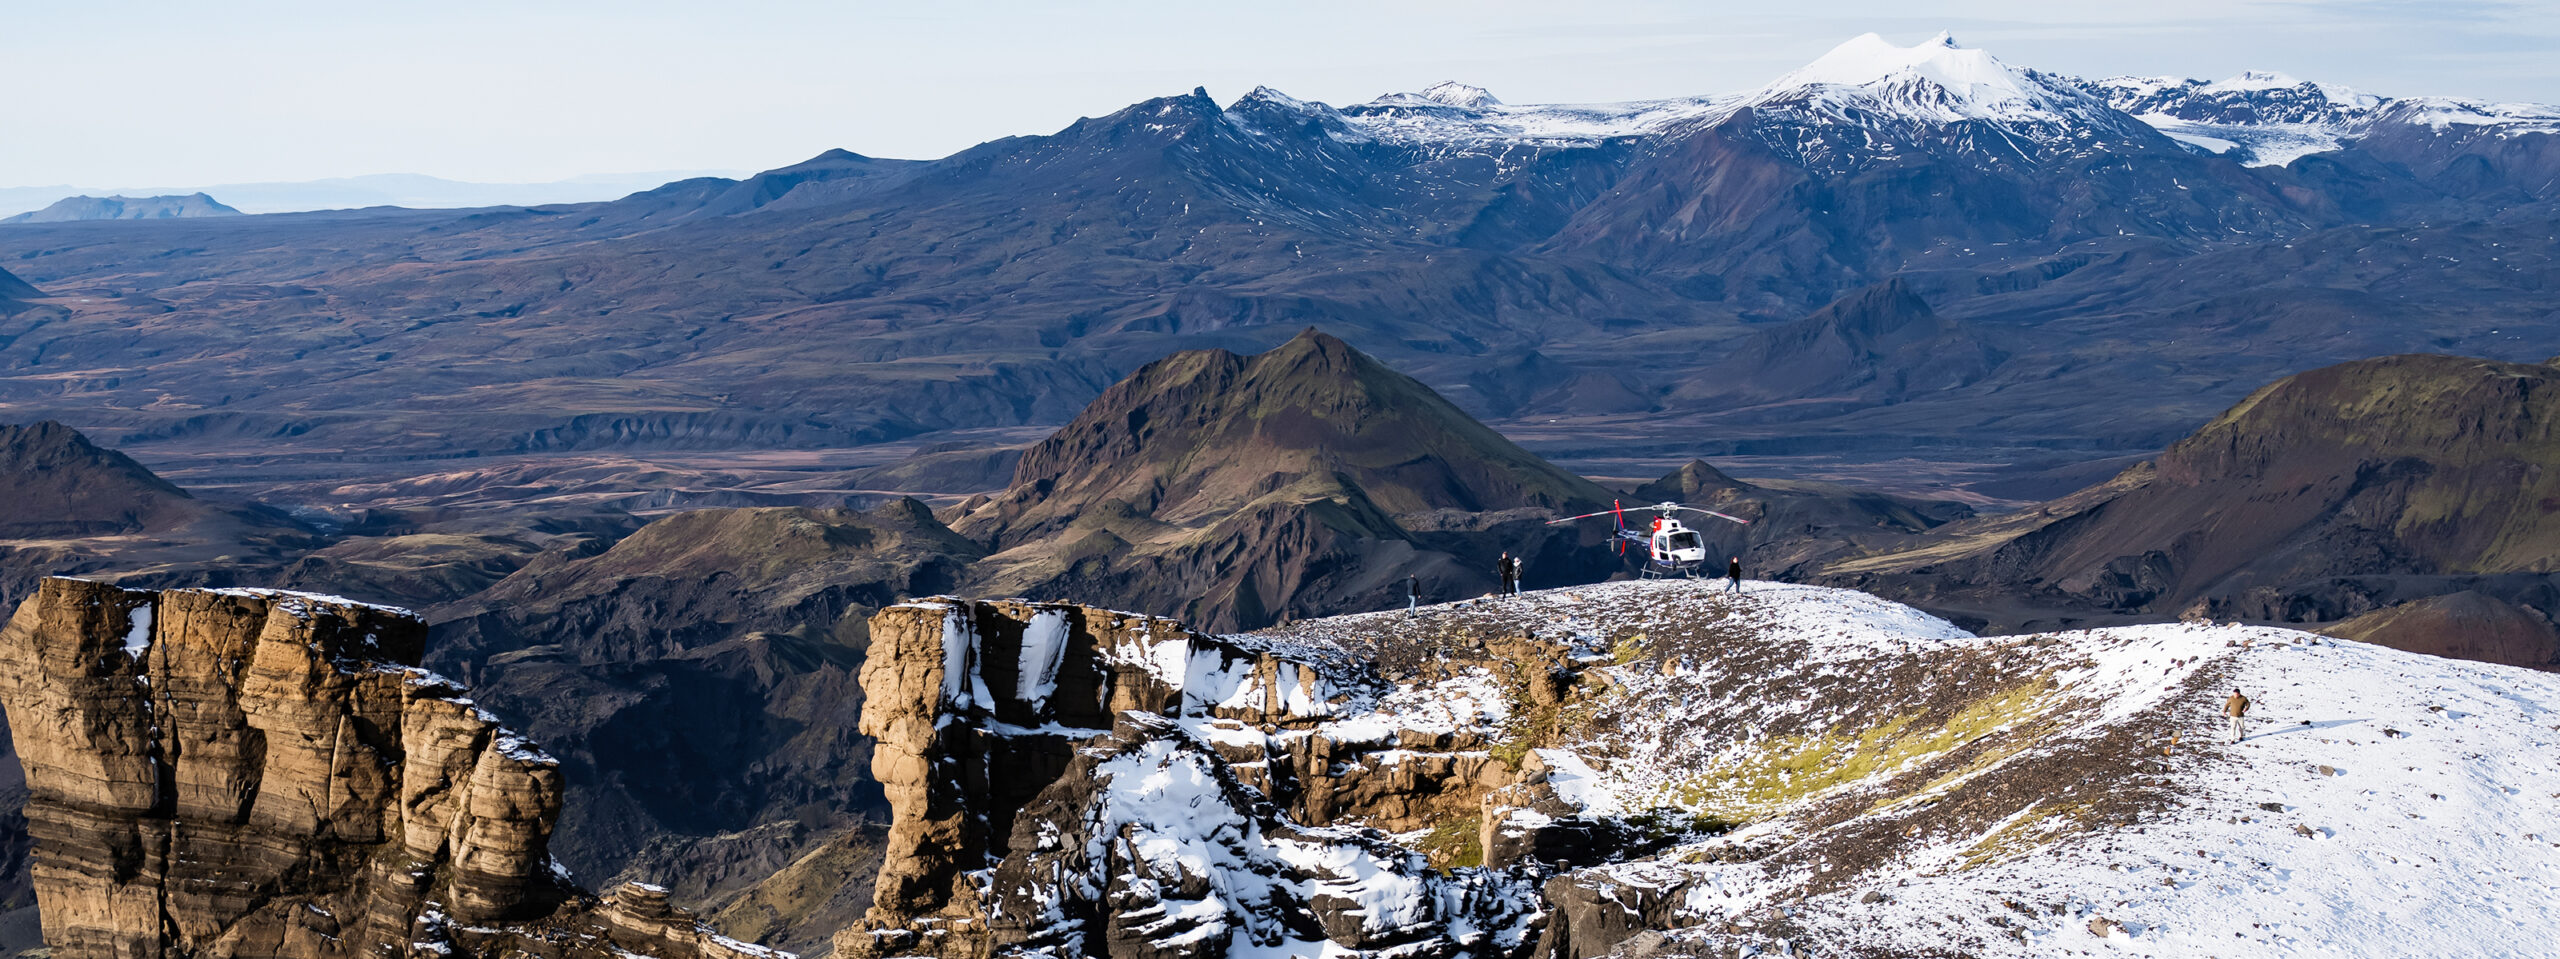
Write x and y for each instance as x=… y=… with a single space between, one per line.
x=1456 y=115
x=1937 y=95
x=1268 y=95
x=1460 y=95
x=1974 y=83
x=2256 y=80
x=2498 y=119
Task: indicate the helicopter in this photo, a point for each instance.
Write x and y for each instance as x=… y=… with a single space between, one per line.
x=1673 y=549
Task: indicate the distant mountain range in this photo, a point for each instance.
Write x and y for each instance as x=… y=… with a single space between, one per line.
x=1893 y=254
x=78 y=208
x=385 y=189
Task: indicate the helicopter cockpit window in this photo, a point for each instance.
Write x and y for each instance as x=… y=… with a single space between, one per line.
x=1686 y=541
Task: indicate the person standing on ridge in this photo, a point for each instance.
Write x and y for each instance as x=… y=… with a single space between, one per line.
x=1412 y=593
x=2234 y=708
x=1508 y=571
x=1733 y=575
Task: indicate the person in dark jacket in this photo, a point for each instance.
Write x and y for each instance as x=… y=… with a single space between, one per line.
x=1412 y=593
x=2234 y=708
x=1509 y=571
x=1733 y=575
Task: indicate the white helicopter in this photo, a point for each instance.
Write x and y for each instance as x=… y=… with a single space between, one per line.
x=1673 y=549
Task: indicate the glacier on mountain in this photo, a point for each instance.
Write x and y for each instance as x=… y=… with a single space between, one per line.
x=1901 y=93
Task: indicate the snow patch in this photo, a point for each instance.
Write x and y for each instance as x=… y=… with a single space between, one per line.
x=300 y=601
x=137 y=638
x=514 y=746
x=959 y=638
x=1044 y=647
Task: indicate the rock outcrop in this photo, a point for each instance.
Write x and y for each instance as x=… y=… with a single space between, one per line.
x=699 y=682
x=252 y=773
x=1165 y=793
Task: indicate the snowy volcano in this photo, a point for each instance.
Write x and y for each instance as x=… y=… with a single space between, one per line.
x=1936 y=80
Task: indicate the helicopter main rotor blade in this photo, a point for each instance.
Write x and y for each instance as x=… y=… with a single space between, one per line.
x=1715 y=514
x=1568 y=519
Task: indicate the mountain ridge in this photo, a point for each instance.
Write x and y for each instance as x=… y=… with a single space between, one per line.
x=2318 y=497
x=1006 y=286
x=12 y=288
x=1237 y=490
x=86 y=208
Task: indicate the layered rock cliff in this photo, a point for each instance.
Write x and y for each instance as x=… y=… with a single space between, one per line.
x=1073 y=781
x=251 y=773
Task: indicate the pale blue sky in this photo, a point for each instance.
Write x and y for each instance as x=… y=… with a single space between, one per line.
x=118 y=92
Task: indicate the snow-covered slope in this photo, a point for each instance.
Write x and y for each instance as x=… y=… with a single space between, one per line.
x=1867 y=85
x=1936 y=81
x=1857 y=777
x=1458 y=115
x=1868 y=98
x=2270 y=119
x=2262 y=119
x=1617 y=768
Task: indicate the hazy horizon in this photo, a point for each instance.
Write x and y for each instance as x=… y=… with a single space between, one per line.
x=414 y=190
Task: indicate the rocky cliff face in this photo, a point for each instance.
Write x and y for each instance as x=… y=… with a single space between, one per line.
x=257 y=773
x=1072 y=781
x=699 y=682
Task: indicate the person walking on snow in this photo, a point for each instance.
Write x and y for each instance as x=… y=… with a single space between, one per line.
x=1509 y=570
x=1733 y=575
x=2234 y=708
x=1412 y=593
